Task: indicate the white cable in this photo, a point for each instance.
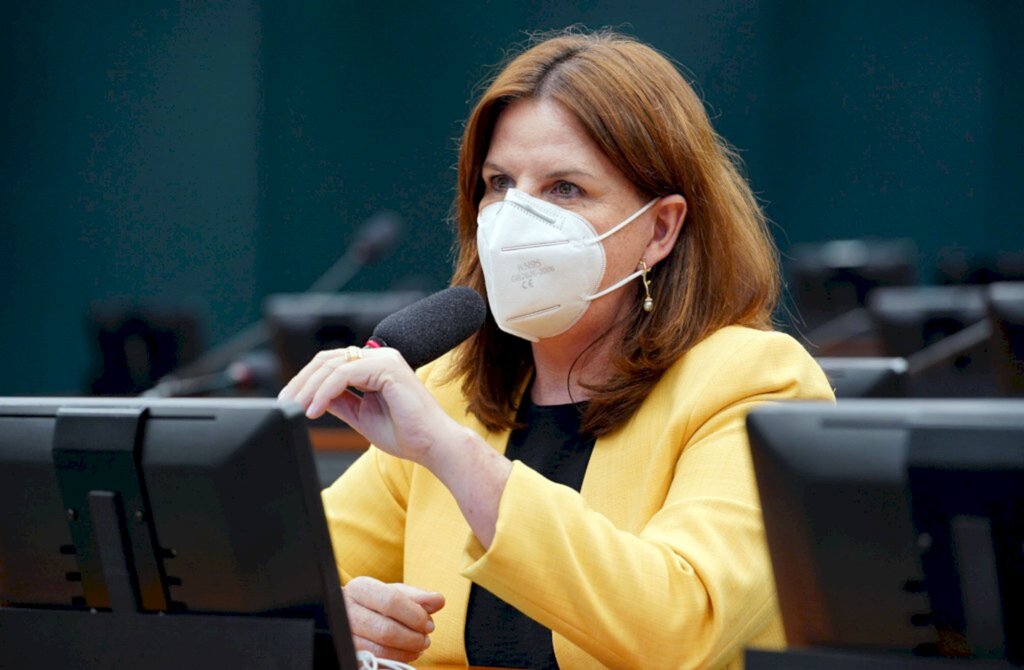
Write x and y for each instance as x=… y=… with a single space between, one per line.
x=368 y=661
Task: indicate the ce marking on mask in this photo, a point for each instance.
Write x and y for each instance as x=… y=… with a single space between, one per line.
x=527 y=271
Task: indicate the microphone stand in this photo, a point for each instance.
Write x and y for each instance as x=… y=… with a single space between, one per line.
x=374 y=240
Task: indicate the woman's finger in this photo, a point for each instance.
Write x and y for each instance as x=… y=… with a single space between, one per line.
x=431 y=601
x=367 y=374
x=384 y=631
x=389 y=601
x=334 y=386
x=346 y=408
x=298 y=381
x=305 y=394
x=338 y=359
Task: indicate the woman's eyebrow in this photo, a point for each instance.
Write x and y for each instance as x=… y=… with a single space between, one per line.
x=569 y=172
x=555 y=174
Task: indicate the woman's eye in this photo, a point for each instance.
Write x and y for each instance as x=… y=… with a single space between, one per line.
x=565 y=189
x=500 y=183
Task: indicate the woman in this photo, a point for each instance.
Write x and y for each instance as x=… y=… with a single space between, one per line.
x=572 y=485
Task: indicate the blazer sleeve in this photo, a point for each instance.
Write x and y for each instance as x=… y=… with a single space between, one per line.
x=365 y=510
x=695 y=584
x=366 y=513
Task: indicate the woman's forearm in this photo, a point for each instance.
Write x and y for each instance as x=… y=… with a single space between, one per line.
x=475 y=474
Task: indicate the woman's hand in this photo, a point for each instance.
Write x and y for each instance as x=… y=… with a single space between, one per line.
x=390 y=620
x=399 y=415
x=396 y=413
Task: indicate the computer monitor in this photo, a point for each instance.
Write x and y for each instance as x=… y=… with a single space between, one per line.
x=866 y=377
x=896 y=525
x=156 y=533
x=302 y=324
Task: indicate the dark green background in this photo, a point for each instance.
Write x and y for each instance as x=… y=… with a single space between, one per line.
x=210 y=153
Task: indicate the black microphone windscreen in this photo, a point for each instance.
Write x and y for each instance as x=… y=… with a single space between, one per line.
x=432 y=326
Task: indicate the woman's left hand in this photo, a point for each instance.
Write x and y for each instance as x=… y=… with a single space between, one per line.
x=396 y=413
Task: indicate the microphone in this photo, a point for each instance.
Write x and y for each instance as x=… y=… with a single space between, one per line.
x=431 y=327
x=253 y=372
x=421 y=332
x=377 y=237
x=374 y=240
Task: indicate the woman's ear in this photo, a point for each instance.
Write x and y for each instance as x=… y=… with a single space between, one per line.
x=669 y=216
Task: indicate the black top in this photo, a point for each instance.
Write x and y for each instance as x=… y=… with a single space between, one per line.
x=497 y=634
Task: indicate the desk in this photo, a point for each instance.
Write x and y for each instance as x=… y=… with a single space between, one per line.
x=851 y=659
x=64 y=639
x=336 y=439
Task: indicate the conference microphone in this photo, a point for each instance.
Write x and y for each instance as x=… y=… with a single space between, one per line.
x=376 y=238
x=431 y=327
x=421 y=332
x=373 y=241
x=252 y=372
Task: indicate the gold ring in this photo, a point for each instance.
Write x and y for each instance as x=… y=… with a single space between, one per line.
x=353 y=353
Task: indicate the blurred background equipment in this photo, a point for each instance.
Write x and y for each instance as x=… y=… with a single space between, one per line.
x=302 y=324
x=1006 y=309
x=829 y=279
x=957 y=340
x=944 y=333
x=134 y=345
x=219 y=152
x=958 y=266
x=242 y=363
x=374 y=240
x=909 y=319
x=828 y=284
x=867 y=377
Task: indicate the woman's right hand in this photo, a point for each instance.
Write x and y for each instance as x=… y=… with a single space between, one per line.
x=390 y=620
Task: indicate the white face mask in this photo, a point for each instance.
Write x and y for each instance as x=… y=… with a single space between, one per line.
x=542 y=264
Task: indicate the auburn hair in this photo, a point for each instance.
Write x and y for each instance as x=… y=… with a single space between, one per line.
x=653 y=127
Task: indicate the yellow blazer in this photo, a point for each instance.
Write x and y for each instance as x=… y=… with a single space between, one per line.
x=659 y=562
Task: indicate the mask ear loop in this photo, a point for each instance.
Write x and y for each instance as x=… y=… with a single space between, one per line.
x=617 y=285
x=625 y=223
x=628 y=278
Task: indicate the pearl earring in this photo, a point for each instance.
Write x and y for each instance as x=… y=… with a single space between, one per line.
x=648 y=301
